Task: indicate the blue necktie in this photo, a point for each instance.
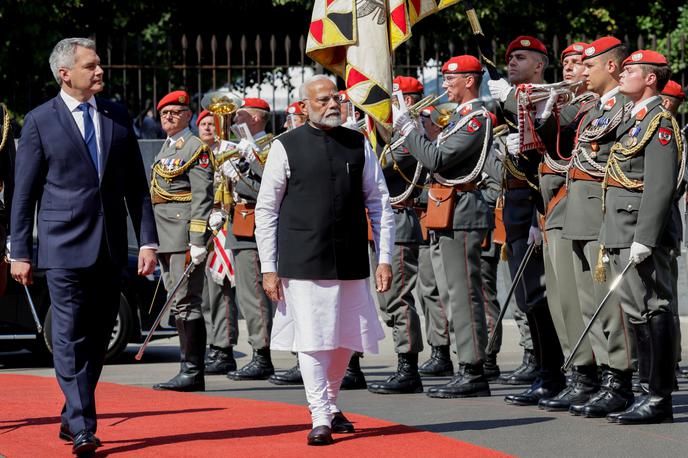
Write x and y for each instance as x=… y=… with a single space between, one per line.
x=90 y=133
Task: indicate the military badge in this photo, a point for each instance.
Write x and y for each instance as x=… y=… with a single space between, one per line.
x=473 y=125
x=609 y=104
x=179 y=143
x=595 y=147
x=204 y=160
x=664 y=135
x=590 y=51
x=465 y=110
x=452 y=67
x=525 y=42
x=641 y=114
x=601 y=121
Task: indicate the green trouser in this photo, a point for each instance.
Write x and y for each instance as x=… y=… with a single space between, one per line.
x=609 y=335
x=562 y=297
x=432 y=304
x=221 y=313
x=456 y=263
x=397 y=305
x=188 y=298
x=488 y=268
x=254 y=304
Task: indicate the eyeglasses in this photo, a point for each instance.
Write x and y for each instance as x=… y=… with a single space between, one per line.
x=173 y=113
x=450 y=78
x=337 y=98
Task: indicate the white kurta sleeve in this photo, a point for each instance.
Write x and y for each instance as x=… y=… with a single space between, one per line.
x=272 y=189
x=379 y=209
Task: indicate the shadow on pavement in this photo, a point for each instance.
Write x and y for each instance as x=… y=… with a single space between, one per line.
x=480 y=425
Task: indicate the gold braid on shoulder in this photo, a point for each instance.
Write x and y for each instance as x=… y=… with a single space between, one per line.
x=168 y=175
x=5 y=126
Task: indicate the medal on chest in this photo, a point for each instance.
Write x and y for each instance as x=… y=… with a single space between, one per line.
x=601 y=121
x=632 y=138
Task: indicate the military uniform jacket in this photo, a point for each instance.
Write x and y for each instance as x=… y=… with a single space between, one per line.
x=405 y=219
x=7 y=155
x=650 y=142
x=456 y=156
x=183 y=177
x=584 y=200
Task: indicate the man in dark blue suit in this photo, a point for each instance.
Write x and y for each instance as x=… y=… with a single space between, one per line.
x=79 y=160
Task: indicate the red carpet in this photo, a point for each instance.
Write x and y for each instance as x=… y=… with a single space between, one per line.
x=141 y=422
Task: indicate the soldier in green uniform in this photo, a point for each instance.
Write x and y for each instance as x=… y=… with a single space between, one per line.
x=455 y=161
x=245 y=175
x=562 y=294
x=639 y=188
x=182 y=197
x=527 y=58
x=219 y=303
x=609 y=337
x=397 y=305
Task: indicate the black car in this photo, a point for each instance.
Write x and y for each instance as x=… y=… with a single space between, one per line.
x=134 y=320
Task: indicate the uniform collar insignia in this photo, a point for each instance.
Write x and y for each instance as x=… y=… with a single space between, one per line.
x=179 y=143
x=609 y=104
x=639 y=116
x=466 y=109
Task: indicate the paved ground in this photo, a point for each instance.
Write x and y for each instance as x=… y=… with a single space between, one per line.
x=489 y=422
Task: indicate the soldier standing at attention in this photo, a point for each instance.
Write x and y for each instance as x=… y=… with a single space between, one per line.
x=609 y=337
x=527 y=59
x=246 y=177
x=397 y=305
x=182 y=197
x=219 y=303
x=455 y=161
x=639 y=189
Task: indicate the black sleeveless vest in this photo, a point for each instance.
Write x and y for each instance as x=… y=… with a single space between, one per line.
x=322 y=231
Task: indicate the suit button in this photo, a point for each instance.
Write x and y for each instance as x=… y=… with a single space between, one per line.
x=178 y=215
x=630 y=207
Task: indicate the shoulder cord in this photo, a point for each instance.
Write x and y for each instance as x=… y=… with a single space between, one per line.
x=167 y=175
x=483 y=154
x=5 y=126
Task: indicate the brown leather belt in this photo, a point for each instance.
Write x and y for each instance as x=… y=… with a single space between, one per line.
x=466 y=187
x=547 y=170
x=408 y=203
x=157 y=199
x=613 y=183
x=515 y=183
x=577 y=174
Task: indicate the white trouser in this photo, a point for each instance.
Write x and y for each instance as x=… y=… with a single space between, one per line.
x=322 y=373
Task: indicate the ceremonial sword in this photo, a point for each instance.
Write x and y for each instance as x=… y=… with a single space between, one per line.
x=612 y=287
x=502 y=312
x=32 y=307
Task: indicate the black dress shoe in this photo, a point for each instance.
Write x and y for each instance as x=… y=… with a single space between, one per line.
x=341 y=424
x=84 y=443
x=532 y=396
x=439 y=364
x=66 y=435
x=405 y=380
x=651 y=410
x=469 y=382
x=259 y=368
x=320 y=435
x=614 y=416
x=290 y=377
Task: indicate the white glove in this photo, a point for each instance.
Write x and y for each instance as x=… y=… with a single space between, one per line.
x=535 y=236
x=216 y=220
x=245 y=147
x=543 y=109
x=403 y=122
x=512 y=144
x=229 y=168
x=198 y=254
x=499 y=89
x=639 y=252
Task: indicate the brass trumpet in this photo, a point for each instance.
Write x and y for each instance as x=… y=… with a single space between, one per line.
x=416 y=108
x=222 y=105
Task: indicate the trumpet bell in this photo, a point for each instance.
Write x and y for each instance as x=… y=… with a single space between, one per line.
x=442 y=113
x=221 y=102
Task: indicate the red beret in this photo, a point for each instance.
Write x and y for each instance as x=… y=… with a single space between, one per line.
x=407 y=85
x=203 y=114
x=344 y=96
x=645 y=56
x=674 y=89
x=462 y=64
x=427 y=111
x=174 y=98
x=574 y=49
x=526 y=42
x=600 y=46
x=252 y=102
x=294 y=109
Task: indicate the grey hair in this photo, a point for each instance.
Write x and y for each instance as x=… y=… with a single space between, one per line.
x=313 y=79
x=63 y=54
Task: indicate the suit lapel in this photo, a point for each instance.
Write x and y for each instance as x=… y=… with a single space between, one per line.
x=106 y=129
x=67 y=121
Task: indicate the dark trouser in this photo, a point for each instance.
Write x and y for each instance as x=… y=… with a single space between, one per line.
x=187 y=301
x=489 y=262
x=456 y=263
x=432 y=303
x=397 y=304
x=84 y=306
x=221 y=313
x=253 y=302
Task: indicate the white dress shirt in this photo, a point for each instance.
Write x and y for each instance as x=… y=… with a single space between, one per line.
x=78 y=115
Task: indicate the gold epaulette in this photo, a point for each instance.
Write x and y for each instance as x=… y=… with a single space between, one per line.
x=4 y=133
x=159 y=170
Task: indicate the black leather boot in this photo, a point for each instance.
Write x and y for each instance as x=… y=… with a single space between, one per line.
x=211 y=354
x=615 y=395
x=222 y=362
x=525 y=374
x=290 y=377
x=584 y=385
x=468 y=382
x=192 y=351
x=259 y=368
x=405 y=380
x=491 y=368
x=439 y=364
x=656 y=407
x=354 y=378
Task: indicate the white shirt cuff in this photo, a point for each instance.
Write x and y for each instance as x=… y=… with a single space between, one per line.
x=385 y=259
x=268 y=266
x=149 y=246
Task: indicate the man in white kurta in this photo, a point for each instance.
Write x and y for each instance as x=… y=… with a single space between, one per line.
x=318 y=181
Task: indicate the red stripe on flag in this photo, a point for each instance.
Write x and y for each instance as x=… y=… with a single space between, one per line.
x=316 y=30
x=399 y=17
x=354 y=77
